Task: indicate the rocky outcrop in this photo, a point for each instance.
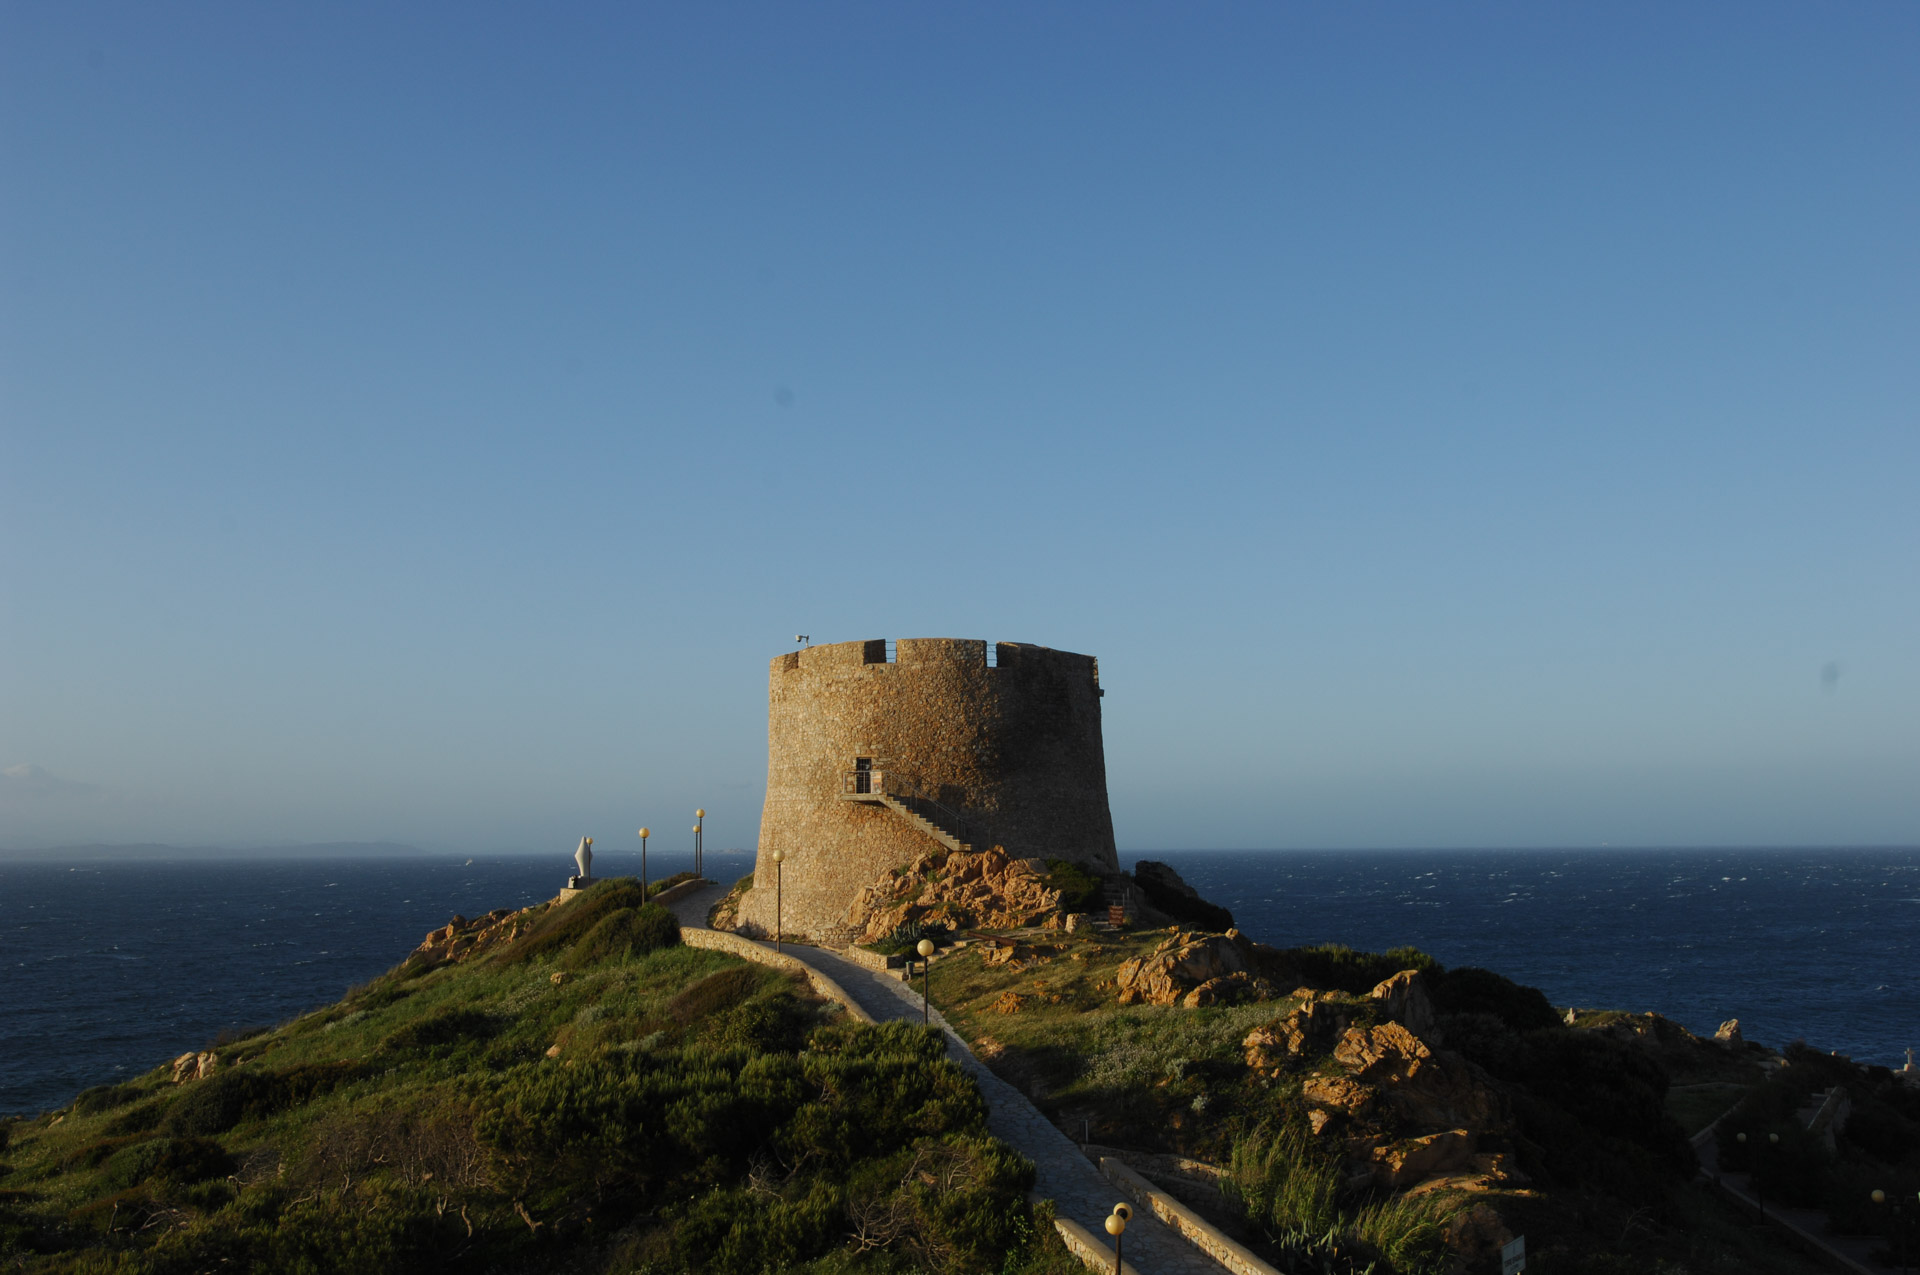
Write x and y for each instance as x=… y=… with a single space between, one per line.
x=1408 y=1002
x=194 y=1066
x=1312 y=1029
x=460 y=938
x=1408 y=1112
x=1390 y=1072
x=1228 y=989
x=1317 y=1025
x=1729 y=1033
x=1184 y=963
x=1009 y=955
x=987 y=890
x=1166 y=893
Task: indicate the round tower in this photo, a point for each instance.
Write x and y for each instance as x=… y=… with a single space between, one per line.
x=879 y=752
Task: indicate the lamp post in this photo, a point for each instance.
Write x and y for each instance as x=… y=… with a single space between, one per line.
x=1117 y=1227
x=644 y=834
x=1753 y=1171
x=699 y=851
x=925 y=948
x=1900 y=1240
x=779 y=857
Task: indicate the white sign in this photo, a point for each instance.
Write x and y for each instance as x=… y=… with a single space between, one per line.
x=1513 y=1256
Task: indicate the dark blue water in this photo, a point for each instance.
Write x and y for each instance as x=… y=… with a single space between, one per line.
x=109 y=969
x=1818 y=944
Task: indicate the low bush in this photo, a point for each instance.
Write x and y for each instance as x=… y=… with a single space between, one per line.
x=564 y=924
x=1080 y=890
x=769 y=1024
x=173 y=1160
x=218 y=1103
x=1340 y=968
x=721 y=990
x=103 y=1098
x=144 y=1118
x=906 y=936
x=623 y=934
x=447 y=1027
x=1470 y=990
x=1290 y=1188
x=1284 y=1182
x=1410 y=1232
x=1880 y=1130
x=1190 y=908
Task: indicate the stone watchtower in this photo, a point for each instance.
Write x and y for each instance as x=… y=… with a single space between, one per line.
x=878 y=753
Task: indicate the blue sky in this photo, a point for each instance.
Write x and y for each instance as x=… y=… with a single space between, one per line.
x=1449 y=425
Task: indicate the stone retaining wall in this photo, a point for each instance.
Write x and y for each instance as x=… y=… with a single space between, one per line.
x=870 y=960
x=1082 y=1244
x=734 y=945
x=681 y=891
x=1201 y=1233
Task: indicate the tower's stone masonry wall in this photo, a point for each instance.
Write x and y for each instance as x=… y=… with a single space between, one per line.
x=1016 y=747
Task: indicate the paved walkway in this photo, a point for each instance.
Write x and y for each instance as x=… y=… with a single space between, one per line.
x=1062 y=1173
x=1850 y=1251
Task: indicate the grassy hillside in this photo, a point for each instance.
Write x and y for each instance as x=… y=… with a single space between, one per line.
x=576 y=1092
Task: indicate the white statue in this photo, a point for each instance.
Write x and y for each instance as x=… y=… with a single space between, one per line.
x=584 y=857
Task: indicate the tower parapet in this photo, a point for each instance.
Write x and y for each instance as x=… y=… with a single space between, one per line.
x=879 y=752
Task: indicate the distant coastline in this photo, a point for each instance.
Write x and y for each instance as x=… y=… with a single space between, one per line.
x=151 y=852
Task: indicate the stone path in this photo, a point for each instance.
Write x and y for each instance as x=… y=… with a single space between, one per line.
x=1849 y=1251
x=1062 y=1173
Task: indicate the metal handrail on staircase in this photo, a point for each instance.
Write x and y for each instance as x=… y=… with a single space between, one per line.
x=903 y=788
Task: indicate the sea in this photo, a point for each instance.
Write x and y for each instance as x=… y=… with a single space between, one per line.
x=108 y=969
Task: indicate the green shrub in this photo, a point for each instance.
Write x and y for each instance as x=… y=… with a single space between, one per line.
x=103 y=1098
x=177 y=1160
x=448 y=1027
x=1181 y=907
x=216 y=1104
x=564 y=924
x=1340 y=968
x=907 y=935
x=768 y=1024
x=718 y=991
x=1410 y=1232
x=1470 y=990
x=1080 y=890
x=1880 y=1130
x=1284 y=1181
x=1616 y=1089
x=144 y=1118
x=623 y=934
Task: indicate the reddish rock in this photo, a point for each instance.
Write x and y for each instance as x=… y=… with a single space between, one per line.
x=1181 y=964
x=1399 y=1165
x=1477 y=1232
x=194 y=1066
x=1408 y=1002
x=1228 y=989
x=987 y=890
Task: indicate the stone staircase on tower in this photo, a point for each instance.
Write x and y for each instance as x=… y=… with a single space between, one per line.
x=912 y=803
